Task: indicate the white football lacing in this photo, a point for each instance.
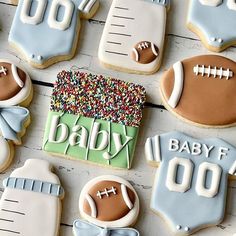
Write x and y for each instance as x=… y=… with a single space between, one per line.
x=203 y=70
x=106 y=192
x=3 y=70
x=142 y=46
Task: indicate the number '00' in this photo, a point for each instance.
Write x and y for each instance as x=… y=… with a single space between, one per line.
x=185 y=185
x=37 y=18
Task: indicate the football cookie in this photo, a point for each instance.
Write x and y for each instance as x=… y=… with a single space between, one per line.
x=46 y=32
x=129 y=42
x=201 y=90
x=31 y=202
x=215 y=32
x=94 y=119
x=15 y=89
x=190 y=188
x=100 y=195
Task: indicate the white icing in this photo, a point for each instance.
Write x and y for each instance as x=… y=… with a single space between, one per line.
x=173 y=145
x=196 y=149
x=212 y=3
x=203 y=70
x=136 y=28
x=89 y=6
x=208 y=149
x=125 y=196
x=92 y=205
x=52 y=137
x=127 y=220
x=154 y=49
x=222 y=152
x=52 y=18
x=42 y=211
x=83 y=136
x=185 y=147
x=23 y=94
x=231 y=4
x=136 y=54
x=232 y=170
x=172 y=173
x=106 y=192
x=94 y=136
x=201 y=179
x=5 y=153
x=178 y=84
x=16 y=76
x=3 y=70
x=152 y=149
x=38 y=16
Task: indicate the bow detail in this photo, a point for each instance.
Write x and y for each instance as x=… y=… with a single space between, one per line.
x=12 y=120
x=83 y=228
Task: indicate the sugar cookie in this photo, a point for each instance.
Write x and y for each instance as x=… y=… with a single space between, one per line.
x=46 y=32
x=31 y=202
x=94 y=119
x=96 y=204
x=190 y=188
x=129 y=42
x=15 y=88
x=215 y=32
x=201 y=90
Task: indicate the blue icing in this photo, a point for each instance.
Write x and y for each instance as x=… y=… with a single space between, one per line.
x=36 y=186
x=40 y=43
x=12 y=121
x=187 y=211
x=83 y=228
x=213 y=22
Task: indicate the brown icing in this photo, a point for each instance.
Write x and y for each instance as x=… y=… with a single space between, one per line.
x=204 y=100
x=144 y=50
x=8 y=86
x=109 y=208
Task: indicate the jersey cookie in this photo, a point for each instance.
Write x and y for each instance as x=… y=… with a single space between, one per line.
x=215 y=32
x=201 y=90
x=191 y=187
x=94 y=119
x=129 y=41
x=31 y=202
x=15 y=89
x=47 y=31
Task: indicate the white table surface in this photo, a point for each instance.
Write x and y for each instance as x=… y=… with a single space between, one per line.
x=180 y=44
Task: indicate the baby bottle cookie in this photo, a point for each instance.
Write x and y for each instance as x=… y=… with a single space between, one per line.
x=96 y=205
x=133 y=38
x=31 y=202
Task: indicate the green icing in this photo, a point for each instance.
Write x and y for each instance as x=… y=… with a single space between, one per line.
x=122 y=160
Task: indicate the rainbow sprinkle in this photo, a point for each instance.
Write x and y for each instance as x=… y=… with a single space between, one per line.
x=98 y=97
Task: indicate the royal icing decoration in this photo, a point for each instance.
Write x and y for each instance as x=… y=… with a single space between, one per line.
x=112 y=191
x=83 y=228
x=201 y=90
x=124 y=46
x=15 y=89
x=215 y=32
x=32 y=194
x=55 y=26
x=94 y=118
x=190 y=189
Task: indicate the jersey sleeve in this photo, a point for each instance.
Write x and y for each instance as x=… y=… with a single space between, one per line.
x=152 y=150
x=86 y=6
x=232 y=170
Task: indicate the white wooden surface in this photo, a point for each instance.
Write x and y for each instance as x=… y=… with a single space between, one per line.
x=180 y=44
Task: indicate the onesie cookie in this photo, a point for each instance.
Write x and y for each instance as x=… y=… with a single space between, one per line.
x=15 y=88
x=46 y=32
x=132 y=41
x=213 y=21
x=96 y=205
x=201 y=90
x=94 y=119
x=190 y=190
x=31 y=202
